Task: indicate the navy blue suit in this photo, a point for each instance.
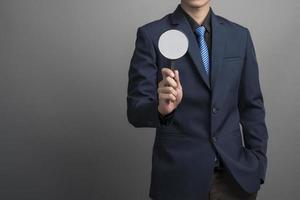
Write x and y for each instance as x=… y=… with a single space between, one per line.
x=213 y=117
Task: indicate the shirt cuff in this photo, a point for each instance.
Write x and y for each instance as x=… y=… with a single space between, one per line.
x=166 y=119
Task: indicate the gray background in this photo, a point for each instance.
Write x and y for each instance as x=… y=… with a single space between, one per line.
x=64 y=63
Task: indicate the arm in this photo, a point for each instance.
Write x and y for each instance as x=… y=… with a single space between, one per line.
x=142 y=98
x=251 y=109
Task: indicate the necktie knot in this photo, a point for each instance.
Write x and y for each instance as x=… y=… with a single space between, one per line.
x=200 y=31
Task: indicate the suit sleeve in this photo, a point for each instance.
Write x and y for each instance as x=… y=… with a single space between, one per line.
x=251 y=109
x=142 y=97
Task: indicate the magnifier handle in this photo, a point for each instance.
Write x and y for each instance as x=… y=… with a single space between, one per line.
x=173 y=68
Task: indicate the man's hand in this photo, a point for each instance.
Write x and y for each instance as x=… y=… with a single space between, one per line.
x=169 y=91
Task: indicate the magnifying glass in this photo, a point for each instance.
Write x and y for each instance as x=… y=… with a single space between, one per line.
x=173 y=44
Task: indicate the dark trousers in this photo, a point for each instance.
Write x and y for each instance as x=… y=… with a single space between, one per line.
x=224 y=187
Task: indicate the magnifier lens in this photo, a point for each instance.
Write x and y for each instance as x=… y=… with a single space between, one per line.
x=173 y=44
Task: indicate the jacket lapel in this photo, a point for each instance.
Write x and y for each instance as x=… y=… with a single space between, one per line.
x=179 y=19
x=218 y=45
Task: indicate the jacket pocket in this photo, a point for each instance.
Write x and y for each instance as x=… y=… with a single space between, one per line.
x=231 y=58
x=170 y=133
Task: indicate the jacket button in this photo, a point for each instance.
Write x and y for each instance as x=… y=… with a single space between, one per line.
x=214 y=110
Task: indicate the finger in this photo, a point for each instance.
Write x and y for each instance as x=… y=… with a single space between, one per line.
x=167 y=72
x=163 y=96
x=170 y=82
x=161 y=83
x=167 y=90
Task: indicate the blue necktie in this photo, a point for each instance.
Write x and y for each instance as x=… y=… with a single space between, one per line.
x=203 y=47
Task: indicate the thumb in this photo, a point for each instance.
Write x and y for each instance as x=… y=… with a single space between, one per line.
x=177 y=78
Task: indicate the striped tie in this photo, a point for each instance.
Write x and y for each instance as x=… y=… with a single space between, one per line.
x=203 y=47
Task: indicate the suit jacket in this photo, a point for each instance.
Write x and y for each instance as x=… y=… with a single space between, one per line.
x=225 y=115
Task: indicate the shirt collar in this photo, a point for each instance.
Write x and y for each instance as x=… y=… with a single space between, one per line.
x=206 y=22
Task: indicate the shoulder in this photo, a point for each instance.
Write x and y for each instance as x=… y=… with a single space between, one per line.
x=234 y=30
x=233 y=26
x=156 y=23
x=154 y=28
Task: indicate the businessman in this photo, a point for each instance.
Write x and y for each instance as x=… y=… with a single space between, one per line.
x=211 y=137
